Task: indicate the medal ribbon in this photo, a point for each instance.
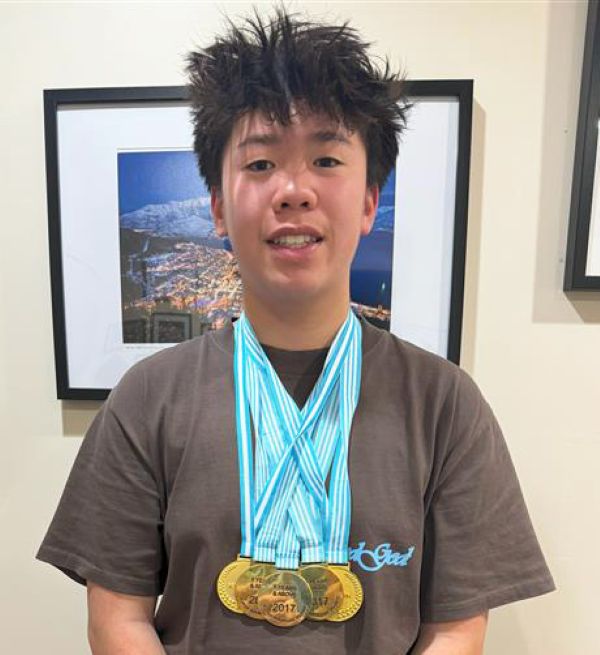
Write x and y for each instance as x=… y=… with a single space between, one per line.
x=284 y=483
x=337 y=420
x=294 y=450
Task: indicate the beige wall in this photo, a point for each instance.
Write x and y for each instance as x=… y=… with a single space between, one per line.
x=534 y=352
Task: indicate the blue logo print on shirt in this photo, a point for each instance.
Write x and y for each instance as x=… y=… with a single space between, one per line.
x=383 y=555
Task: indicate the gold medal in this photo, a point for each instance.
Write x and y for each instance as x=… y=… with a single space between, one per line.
x=226 y=583
x=353 y=593
x=247 y=586
x=326 y=588
x=285 y=599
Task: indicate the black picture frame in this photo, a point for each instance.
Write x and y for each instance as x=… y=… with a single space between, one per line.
x=585 y=181
x=56 y=100
x=462 y=90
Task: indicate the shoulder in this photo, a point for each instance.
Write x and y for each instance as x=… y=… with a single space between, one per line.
x=167 y=372
x=387 y=355
x=422 y=385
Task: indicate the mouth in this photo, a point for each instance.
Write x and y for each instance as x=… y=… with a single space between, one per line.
x=294 y=241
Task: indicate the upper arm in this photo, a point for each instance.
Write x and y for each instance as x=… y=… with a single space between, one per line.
x=106 y=606
x=462 y=637
x=479 y=550
x=108 y=526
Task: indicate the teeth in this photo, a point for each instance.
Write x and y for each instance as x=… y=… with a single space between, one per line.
x=295 y=241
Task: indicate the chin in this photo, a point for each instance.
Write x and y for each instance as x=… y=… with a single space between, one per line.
x=292 y=291
x=297 y=294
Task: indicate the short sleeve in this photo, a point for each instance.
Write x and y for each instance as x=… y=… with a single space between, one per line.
x=108 y=524
x=480 y=549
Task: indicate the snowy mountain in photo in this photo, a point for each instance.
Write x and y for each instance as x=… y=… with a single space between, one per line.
x=185 y=219
x=384 y=221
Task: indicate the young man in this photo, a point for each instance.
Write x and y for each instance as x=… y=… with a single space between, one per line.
x=240 y=442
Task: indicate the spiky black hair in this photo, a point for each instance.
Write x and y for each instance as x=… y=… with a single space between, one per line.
x=267 y=66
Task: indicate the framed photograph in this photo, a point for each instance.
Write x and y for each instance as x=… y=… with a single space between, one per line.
x=171 y=328
x=136 y=265
x=582 y=263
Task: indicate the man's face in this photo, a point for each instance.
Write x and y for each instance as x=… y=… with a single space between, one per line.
x=294 y=203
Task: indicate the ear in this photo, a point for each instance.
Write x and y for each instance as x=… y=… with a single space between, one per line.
x=217 y=211
x=370 y=209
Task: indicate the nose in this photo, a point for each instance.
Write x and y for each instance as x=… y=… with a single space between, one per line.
x=294 y=193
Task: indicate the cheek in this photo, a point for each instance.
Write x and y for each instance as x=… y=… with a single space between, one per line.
x=250 y=202
x=347 y=205
x=353 y=192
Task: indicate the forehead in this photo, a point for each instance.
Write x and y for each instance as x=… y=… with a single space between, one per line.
x=257 y=129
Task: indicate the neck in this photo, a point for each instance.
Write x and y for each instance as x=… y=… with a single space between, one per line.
x=296 y=326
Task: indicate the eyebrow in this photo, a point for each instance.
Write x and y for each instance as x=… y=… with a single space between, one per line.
x=321 y=136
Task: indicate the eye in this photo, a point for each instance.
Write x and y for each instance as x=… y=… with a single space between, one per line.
x=259 y=165
x=328 y=162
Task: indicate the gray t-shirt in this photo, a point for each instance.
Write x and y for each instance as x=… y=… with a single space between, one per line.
x=439 y=530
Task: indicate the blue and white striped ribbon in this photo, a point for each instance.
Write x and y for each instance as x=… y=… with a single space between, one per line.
x=244 y=446
x=307 y=523
x=290 y=510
